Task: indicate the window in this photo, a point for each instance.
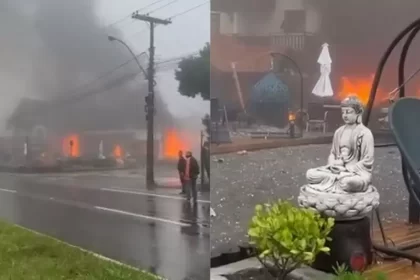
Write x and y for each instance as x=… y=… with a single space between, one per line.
x=215 y=22
x=294 y=21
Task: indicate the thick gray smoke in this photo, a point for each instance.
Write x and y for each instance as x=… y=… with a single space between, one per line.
x=360 y=31
x=49 y=48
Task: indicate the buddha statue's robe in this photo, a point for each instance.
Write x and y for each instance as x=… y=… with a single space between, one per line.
x=355 y=147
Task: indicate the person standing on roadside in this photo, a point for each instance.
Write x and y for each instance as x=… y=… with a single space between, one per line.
x=181 y=170
x=192 y=170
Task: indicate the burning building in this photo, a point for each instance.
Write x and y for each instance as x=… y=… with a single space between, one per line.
x=247 y=32
x=49 y=133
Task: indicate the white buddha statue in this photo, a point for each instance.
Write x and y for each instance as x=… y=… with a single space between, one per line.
x=349 y=168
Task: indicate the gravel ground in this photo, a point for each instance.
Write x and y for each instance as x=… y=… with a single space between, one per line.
x=242 y=181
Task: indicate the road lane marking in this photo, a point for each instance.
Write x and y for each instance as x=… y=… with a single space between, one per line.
x=141 y=216
x=87 y=206
x=117 y=190
x=149 y=194
x=7 y=190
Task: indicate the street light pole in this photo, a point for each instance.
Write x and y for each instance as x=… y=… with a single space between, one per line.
x=273 y=54
x=112 y=38
x=149 y=152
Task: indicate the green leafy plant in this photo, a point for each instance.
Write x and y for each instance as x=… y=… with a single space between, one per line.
x=343 y=273
x=287 y=237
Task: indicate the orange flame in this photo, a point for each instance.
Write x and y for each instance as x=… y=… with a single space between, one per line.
x=361 y=87
x=71 y=145
x=172 y=144
x=117 y=151
x=292 y=117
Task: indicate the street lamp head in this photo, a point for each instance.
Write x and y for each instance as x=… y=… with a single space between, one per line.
x=111 y=38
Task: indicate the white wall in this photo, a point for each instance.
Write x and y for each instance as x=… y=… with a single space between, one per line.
x=264 y=24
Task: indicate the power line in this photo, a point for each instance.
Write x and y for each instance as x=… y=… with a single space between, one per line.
x=144 y=8
x=108 y=73
x=174 y=59
x=85 y=85
x=58 y=102
x=172 y=17
x=189 y=10
x=105 y=88
x=164 y=6
x=129 y=15
x=127 y=77
x=118 y=21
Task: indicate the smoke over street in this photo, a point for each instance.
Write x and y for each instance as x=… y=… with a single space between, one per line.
x=53 y=48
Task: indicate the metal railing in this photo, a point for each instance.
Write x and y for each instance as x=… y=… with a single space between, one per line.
x=295 y=41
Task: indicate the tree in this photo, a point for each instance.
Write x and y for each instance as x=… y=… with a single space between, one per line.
x=193 y=74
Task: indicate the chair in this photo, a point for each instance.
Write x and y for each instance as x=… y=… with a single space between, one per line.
x=317 y=115
x=403 y=117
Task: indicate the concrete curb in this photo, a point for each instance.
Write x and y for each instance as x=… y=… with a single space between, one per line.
x=303 y=273
x=89 y=252
x=23 y=170
x=269 y=144
x=283 y=142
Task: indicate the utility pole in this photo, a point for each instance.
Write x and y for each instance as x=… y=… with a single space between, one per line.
x=150 y=98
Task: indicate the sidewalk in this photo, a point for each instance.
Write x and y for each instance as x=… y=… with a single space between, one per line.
x=239 y=182
x=255 y=144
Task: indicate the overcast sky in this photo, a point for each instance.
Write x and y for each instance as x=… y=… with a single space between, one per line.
x=187 y=34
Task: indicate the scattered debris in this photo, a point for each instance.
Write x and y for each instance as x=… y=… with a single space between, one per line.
x=243 y=152
x=212 y=213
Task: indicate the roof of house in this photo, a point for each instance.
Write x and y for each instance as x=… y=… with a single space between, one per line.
x=247 y=58
x=27 y=110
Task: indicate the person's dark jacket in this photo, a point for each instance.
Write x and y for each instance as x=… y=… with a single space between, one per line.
x=182 y=162
x=194 y=168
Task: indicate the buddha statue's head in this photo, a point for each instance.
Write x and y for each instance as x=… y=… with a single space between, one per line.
x=351 y=110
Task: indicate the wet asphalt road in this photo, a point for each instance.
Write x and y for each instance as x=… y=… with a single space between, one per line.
x=115 y=216
x=242 y=181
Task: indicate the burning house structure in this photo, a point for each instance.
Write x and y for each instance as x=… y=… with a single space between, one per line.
x=246 y=33
x=49 y=134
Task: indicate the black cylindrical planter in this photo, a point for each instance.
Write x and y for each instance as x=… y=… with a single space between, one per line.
x=351 y=245
x=292 y=130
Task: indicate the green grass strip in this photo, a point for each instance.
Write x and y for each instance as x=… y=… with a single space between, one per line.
x=26 y=255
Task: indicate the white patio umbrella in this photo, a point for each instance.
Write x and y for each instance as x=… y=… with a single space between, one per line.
x=323 y=86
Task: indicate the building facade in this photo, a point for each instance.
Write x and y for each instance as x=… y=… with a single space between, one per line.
x=282 y=23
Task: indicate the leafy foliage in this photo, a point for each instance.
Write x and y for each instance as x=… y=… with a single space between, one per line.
x=287 y=236
x=342 y=273
x=193 y=75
